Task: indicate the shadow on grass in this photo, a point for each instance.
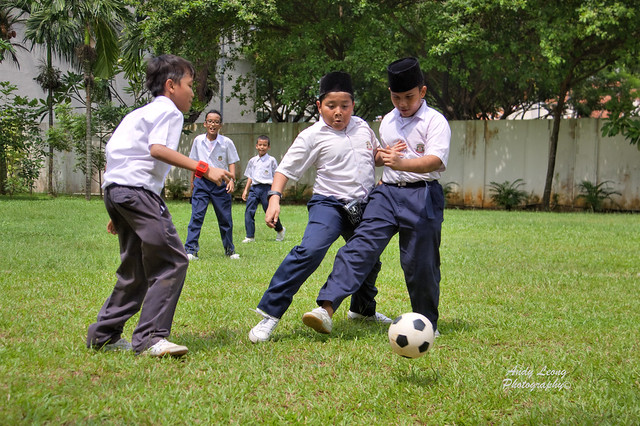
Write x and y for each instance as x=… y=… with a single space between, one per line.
x=417 y=375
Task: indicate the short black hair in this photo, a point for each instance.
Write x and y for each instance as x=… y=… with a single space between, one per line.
x=213 y=111
x=164 y=67
x=264 y=138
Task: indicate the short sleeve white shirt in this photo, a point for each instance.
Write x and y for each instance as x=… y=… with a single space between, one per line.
x=129 y=160
x=217 y=153
x=344 y=160
x=261 y=169
x=427 y=132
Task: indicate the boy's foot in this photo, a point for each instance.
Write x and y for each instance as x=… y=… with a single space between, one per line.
x=164 y=347
x=192 y=256
x=121 y=345
x=248 y=240
x=262 y=331
x=378 y=317
x=280 y=235
x=319 y=320
x=234 y=256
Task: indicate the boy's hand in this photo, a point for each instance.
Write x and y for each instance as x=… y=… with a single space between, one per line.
x=231 y=186
x=111 y=228
x=244 y=195
x=398 y=146
x=218 y=176
x=391 y=158
x=273 y=211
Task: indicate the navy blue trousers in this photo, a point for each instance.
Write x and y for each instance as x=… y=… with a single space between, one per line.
x=327 y=222
x=204 y=192
x=257 y=195
x=416 y=214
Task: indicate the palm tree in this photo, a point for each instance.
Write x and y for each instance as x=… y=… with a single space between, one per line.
x=100 y=22
x=49 y=25
x=8 y=20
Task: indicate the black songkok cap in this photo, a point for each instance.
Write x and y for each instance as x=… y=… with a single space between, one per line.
x=336 y=81
x=404 y=74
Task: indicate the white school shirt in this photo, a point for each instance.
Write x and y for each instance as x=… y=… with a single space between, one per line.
x=217 y=153
x=261 y=169
x=129 y=161
x=426 y=132
x=344 y=159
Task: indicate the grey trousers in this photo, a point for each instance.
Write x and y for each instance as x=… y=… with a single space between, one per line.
x=152 y=270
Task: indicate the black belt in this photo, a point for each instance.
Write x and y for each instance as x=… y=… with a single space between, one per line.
x=420 y=183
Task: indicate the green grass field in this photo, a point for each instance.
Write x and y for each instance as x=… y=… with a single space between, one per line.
x=545 y=302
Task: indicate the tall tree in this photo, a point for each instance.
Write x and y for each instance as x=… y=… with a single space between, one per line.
x=8 y=21
x=577 y=40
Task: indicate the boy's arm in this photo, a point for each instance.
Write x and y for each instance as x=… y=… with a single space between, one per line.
x=247 y=187
x=231 y=186
x=273 y=211
x=174 y=158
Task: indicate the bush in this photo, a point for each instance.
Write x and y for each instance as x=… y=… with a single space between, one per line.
x=508 y=194
x=595 y=194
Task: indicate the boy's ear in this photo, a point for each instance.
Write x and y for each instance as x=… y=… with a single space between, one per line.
x=169 y=85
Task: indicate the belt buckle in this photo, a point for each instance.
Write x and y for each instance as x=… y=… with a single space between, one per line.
x=402 y=184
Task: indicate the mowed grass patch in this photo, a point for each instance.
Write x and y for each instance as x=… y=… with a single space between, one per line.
x=546 y=303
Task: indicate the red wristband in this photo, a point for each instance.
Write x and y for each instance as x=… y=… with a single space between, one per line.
x=201 y=169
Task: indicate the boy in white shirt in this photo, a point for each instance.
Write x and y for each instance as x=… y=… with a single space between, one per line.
x=410 y=202
x=218 y=151
x=342 y=148
x=154 y=263
x=259 y=173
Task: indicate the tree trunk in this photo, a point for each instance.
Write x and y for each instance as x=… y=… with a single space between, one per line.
x=553 y=146
x=87 y=86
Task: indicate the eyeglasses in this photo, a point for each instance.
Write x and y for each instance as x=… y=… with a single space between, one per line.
x=213 y=122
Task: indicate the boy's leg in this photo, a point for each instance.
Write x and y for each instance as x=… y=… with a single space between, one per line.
x=250 y=213
x=357 y=264
x=199 y=204
x=419 y=241
x=264 y=201
x=221 y=201
x=131 y=285
x=165 y=263
x=324 y=227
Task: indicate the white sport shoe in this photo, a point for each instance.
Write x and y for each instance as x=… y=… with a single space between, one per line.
x=280 y=235
x=262 y=331
x=378 y=317
x=121 y=345
x=248 y=240
x=234 y=256
x=164 y=347
x=192 y=256
x=319 y=320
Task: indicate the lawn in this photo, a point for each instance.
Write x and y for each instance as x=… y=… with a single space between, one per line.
x=539 y=323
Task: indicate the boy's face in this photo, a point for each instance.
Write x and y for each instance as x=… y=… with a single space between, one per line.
x=213 y=123
x=262 y=146
x=180 y=92
x=408 y=103
x=336 y=109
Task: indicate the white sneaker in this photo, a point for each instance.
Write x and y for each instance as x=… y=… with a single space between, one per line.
x=262 y=331
x=436 y=334
x=121 y=345
x=248 y=240
x=378 y=317
x=280 y=235
x=234 y=256
x=319 y=320
x=192 y=256
x=164 y=347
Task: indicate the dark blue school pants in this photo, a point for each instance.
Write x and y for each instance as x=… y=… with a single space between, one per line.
x=205 y=192
x=257 y=195
x=416 y=214
x=151 y=273
x=327 y=222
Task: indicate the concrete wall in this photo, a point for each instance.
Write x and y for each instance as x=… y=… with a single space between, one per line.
x=481 y=152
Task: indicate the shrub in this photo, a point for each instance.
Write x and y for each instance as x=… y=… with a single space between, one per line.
x=595 y=194
x=508 y=194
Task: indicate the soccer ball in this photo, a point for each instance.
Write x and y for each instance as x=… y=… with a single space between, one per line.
x=411 y=335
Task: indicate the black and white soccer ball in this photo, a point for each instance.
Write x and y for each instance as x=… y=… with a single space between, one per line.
x=411 y=335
